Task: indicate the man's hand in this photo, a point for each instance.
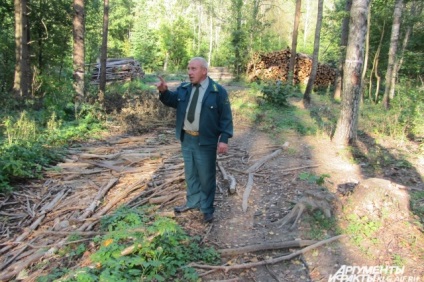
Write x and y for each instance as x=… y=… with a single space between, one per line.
x=222 y=148
x=161 y=85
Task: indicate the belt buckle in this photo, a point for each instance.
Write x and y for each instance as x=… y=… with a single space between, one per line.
x=192 y=133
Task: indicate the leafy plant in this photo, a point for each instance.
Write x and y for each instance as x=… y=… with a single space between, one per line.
x=362 y=228
x=139 y=247
x=278 y=93
x=312 y=178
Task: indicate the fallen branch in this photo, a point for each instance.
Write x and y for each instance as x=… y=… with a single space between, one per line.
x=262 y=161
x=90 y=209
x=247 y=192
x=266 y=246
x=229 y=180
x=38 y=221
x=268 y=261
x=163 y=199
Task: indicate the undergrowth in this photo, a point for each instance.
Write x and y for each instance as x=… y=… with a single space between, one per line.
x=139 y=247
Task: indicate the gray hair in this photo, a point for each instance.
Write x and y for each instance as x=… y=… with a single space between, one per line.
x=202 y=60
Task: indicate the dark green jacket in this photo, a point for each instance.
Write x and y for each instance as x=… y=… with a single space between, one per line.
x=216 y=122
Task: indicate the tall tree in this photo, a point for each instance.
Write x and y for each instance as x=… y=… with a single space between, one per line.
x=312 y=76
x=238 y=36
x=394 y=40
x=374 y=69
x=103 y=56
x=343 y=43
x=346 y=130
x=22 y=78
x=294 y=41
x=78 y=53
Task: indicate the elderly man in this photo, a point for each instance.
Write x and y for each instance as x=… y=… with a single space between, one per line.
x=203 y=125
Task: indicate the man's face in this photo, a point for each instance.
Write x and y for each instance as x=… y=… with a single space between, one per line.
x=196 y=72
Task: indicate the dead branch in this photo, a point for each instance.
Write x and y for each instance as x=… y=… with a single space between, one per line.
x=298 y=168
x=163 y=199
x=229 y=181
x=246 y=193
x=141 y=184
x=97 y=156
x=90 y=209
x=233 y=184
x=262 y=161
x=266 y=246
x=268 y=261
x=48 y=207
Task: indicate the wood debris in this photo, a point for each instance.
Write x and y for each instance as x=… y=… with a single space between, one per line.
x=78 y=192
x=275 y=66
x=118 y=69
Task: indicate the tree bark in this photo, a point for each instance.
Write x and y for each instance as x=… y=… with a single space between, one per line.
x=103 y=56
x=78 y=52
x=367 y=49
x=308 y=90
x=294 y=42
x=22 y=78
x=347 y=124
x=375 y=68
x=394 y=39
x=343 y=43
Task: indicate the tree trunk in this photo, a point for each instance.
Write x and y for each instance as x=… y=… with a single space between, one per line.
x=367 y=49
x=375 y=69
x=343 y=43
x=78 y=52
x=103 y=56
x=416 y=9
x=394 y=39
x=22 y=78
x=294 y=42
x=307 y=94
x=347 y=124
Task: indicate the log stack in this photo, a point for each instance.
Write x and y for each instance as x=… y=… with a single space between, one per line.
x=275 y=66
x=118 y=69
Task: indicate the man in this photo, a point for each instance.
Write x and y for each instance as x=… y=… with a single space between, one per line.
x=203 y=125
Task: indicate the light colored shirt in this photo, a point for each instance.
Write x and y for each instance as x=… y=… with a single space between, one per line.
x=194 y=126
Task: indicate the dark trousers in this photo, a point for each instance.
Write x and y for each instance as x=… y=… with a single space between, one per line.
x=200 y=173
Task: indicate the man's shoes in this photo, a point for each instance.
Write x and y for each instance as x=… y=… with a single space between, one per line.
x=208 y=217
x=183 y=209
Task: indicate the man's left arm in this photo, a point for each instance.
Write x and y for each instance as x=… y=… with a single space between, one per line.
x=225 y=122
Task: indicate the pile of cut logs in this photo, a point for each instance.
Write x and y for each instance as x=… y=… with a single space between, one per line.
x=275 y=66
x=119 y=69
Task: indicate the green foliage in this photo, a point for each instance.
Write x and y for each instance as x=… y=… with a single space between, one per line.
x=278 y=93
x=312 y=178
x=175 y=39
x=362 y=228
x=160 y=250
x=30 y=145
x=417 y=204
x=405 y=118
x=322 y=225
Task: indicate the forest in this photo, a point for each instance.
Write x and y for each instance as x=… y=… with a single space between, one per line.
x=72 y=71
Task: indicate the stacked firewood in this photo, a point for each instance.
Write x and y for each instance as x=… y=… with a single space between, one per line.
x=275 y=66
x=119 y=69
